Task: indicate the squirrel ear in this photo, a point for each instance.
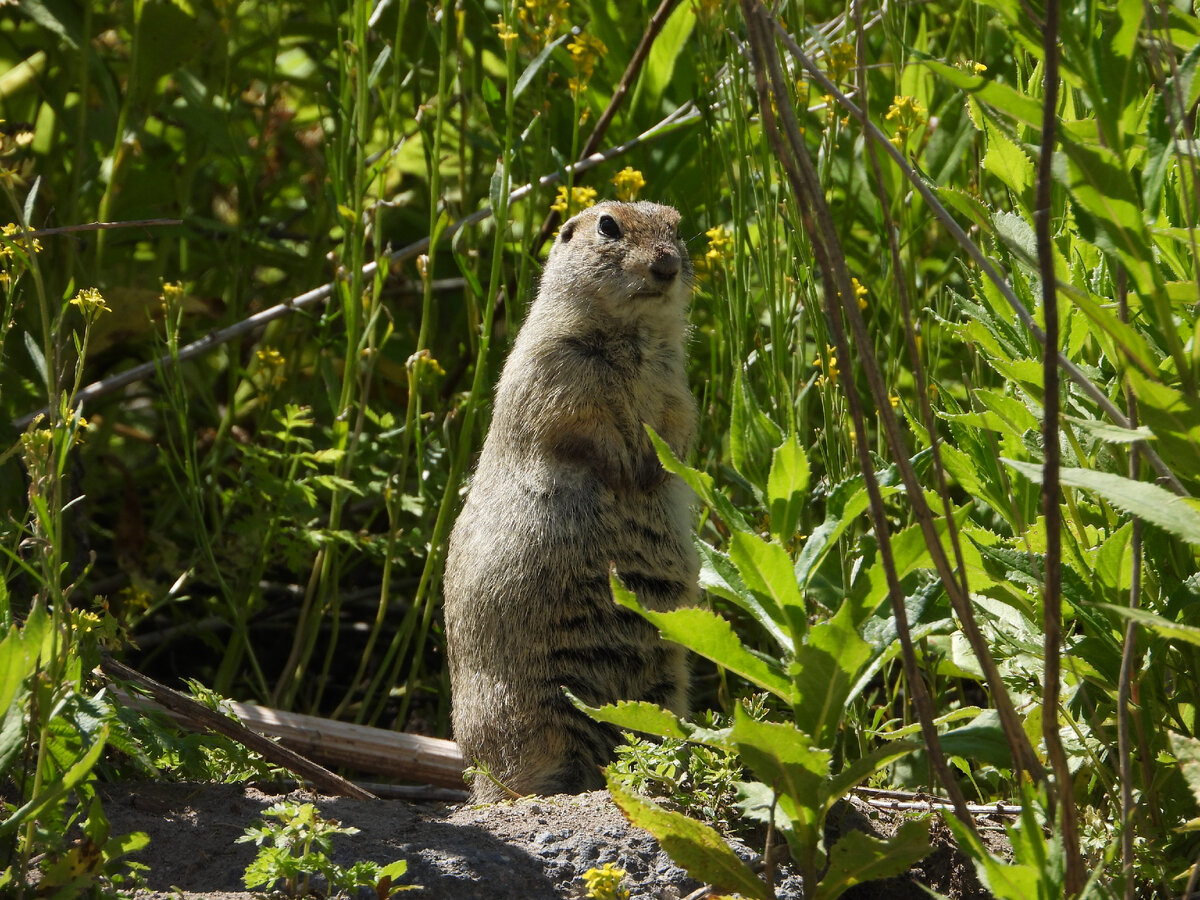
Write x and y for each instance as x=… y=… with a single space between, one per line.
x=567 y=232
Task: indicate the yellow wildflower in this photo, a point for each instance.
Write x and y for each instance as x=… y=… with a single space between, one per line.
x=831 y=369
x=273 y=362
x=172 y=295
x=606 y=883
x=860 y=292
x=542 y=19
x=13 y=235
x=720 y=245
x=842 y=57
x=908 y=115
x=579 y=198
x=628 y=182
x=506 y=34
x=584 y=50
x=894 y=400
x=90 y=302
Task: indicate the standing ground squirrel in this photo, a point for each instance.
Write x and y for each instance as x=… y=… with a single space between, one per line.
x=568 y=484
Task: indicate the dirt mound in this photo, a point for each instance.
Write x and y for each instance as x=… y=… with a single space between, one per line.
x=531 y=849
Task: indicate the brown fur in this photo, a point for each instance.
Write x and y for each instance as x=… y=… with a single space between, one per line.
x=567 y=485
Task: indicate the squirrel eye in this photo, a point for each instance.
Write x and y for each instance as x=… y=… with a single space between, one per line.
x=608 y=227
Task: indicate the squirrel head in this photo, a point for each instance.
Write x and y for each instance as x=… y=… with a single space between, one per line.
x=622 y=259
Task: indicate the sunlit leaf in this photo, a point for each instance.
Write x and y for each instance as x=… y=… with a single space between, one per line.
x=693 y=845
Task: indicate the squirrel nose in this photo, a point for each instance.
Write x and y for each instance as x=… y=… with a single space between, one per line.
x=665 y=266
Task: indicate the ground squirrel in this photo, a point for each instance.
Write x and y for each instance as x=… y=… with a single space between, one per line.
x=567 y=485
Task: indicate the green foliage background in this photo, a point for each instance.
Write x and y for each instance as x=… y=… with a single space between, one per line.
x=268 y=516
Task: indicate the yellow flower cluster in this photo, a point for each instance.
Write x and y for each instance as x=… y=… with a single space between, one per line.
x=566 y=205
x=542 y=19
x=831 y=368
x=506 y=34
x=585 y=50
x=860 y=293
x=908 y=115
x=720 y=246
x=12 y=235
x=172 y=295
x=273 y=362
x=606 y=883
x=90 y=303
x=842 y=59
x=628 y=182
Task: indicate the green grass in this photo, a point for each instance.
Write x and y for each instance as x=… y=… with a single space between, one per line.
x=269 y=516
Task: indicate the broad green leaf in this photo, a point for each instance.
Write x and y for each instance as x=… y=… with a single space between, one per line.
x=706 y=633
x=863 y=768
x=783 y=756
x=1174 y=417
x=846 y=503
x=56 y=791
x=1113 y=434
x=909 y=553
x=38 y=357
x=1114 y=560
x=963 y=712
x=823 y=671
x=995 y=94
x=1165 y=627
x=752 y=435
x=12 y=732
x=701 y=483
x=1108 y=209
x=767 y=570
x=1148 y=501
x=1187 y=752
x=787 y=486
x=668 y=47
x=966 y=204
x=14 y=666
x=857 y=857
x=124 y=844
x=1006 y=881
x=36 y=634
x=718 y=575
x=981 y=740
x=1008 y=162
x=693 y=845
x=635 y=715
x=1124 y=337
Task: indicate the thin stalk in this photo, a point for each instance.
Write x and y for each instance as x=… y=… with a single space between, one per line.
x=1076 y=876
x=910 y=340
x=120 y=147
x=475 y=399
x=1129 y=652
x=793 y=154
x=838 y=279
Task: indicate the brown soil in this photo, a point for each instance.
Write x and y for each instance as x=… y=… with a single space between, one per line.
x=530 y=849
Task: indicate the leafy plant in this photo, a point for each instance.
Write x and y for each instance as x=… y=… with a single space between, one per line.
x=698 y=780
x=812 y=674
x=295 y=849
